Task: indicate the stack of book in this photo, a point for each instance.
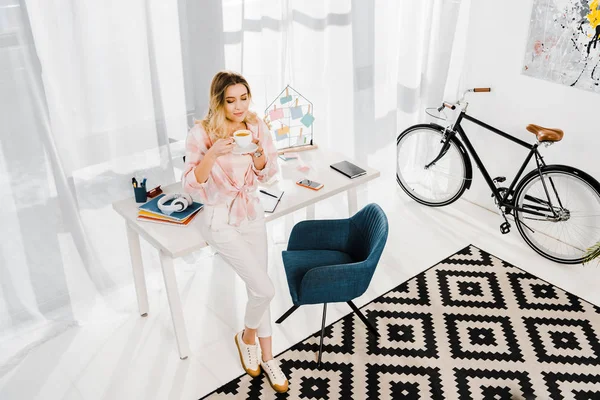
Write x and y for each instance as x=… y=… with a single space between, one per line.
x=150 y=212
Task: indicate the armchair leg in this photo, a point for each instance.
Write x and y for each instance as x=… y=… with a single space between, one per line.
x=287 y=314
x=322 y=334
x=363 y=318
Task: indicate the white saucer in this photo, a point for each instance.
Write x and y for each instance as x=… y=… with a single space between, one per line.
x=244 y=150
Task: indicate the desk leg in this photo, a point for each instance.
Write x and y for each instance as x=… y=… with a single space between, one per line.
x=138 y=270
x=288 y=226
x=310 y=212
x=352 y=201
x=175 y=305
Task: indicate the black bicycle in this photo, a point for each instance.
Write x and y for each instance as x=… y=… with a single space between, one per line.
x=556 y=208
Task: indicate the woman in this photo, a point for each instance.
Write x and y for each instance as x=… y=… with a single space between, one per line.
x=232 y=221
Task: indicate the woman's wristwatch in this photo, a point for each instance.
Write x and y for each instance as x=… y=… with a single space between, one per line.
x=258 y=153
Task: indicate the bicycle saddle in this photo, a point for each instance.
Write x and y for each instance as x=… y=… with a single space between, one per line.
x=546 y=134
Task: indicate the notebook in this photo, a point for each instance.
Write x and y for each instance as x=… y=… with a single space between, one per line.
x=269 y=198
x=167 y=222
x=288 y=156
x=348 y=169
x=152 y=208
x=147 y=214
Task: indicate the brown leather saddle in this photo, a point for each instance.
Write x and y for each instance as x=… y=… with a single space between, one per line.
x=546 y=134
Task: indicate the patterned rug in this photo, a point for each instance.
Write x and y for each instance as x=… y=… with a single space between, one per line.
x=471 y=327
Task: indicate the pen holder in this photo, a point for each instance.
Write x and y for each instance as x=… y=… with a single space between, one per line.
x=140 y=194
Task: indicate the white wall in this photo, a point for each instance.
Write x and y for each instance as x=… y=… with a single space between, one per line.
x=494 y=57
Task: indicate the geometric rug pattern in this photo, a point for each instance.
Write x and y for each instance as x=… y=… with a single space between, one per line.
x=470 y=327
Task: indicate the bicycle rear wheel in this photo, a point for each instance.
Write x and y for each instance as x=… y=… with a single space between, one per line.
x=566 y=203
x=435 y=185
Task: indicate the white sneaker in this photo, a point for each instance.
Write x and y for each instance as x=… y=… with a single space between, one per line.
x=248 y=355
x=277 y=378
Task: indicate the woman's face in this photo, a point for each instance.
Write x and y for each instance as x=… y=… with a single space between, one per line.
x=236 y=102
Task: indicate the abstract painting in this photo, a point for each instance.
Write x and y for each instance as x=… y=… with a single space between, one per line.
x=564 y=43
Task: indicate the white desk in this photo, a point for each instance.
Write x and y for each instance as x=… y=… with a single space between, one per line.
x=177 y=241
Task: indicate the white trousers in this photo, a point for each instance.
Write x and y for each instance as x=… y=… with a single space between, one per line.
x=245 y=248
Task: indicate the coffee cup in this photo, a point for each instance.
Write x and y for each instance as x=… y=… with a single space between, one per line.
x=243 y=137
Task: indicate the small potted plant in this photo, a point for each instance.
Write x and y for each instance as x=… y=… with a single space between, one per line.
x=592 y=253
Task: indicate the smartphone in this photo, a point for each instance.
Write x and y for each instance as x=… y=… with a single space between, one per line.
x=310 y=184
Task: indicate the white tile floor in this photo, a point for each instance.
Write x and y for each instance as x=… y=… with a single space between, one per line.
x=136 y=358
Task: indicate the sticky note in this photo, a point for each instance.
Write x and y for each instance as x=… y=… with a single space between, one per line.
x=276 y=114
x=283 y=130
x=287 y=98
x=296 y=112
x=307 y=120
x=298 y=141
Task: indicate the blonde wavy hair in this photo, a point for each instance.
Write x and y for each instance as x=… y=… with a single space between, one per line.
x=214 y=122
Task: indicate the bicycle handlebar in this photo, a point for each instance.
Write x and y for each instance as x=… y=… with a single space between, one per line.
x=453 y=106
x=447 y=105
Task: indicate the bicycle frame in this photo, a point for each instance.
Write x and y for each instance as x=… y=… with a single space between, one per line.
x=503 y=200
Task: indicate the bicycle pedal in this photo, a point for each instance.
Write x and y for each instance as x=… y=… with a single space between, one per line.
x=505 y=228
x=499 y=179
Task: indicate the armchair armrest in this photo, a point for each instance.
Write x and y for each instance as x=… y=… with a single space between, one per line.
x=335 y=283
x=330 y=234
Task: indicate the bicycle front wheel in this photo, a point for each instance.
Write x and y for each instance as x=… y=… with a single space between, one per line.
x=427 y=180
x=558 y=213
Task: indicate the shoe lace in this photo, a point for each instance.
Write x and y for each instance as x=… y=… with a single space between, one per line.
x=275 y=370
x=252 y=354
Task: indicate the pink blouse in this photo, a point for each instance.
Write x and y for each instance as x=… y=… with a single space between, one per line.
x=233 y=179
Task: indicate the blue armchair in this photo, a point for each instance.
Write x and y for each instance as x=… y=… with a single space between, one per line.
x=331 y=261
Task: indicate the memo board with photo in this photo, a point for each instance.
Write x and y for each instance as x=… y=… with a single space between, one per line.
x=290 y=119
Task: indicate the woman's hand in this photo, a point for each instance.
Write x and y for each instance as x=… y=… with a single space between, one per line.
x=258 y=157
x=221 y=147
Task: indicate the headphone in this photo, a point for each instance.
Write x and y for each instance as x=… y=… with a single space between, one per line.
x=180 y=202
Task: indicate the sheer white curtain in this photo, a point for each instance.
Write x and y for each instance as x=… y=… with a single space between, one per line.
x=370 y=68
x=112 y=75
x=92 y=93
